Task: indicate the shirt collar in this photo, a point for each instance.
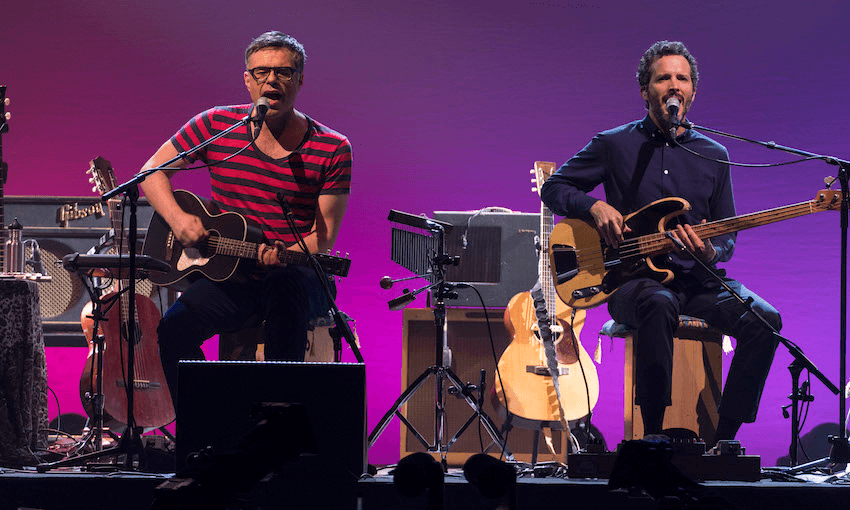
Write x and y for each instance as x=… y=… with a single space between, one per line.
x=651 y=130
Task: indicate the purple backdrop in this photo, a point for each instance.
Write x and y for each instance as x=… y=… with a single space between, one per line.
x=448 y=104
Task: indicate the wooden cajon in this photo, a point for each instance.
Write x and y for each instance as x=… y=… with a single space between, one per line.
x=697 y=379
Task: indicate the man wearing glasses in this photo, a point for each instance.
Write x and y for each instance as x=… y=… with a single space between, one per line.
x=290 y=153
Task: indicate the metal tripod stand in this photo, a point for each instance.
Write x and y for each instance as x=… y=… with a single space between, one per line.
x=442 y=358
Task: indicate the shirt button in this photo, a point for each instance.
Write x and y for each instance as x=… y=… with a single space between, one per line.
x=666 y=172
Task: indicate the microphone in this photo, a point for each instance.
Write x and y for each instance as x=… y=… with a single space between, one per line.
x=673 y=110
x=387 y=282
x=401 y=301
x=262 y=108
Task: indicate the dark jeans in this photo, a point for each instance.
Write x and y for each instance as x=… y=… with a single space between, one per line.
x=285 y=298
x=653 y=310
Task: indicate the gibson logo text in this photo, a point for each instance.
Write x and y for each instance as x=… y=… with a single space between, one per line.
x=68 y=212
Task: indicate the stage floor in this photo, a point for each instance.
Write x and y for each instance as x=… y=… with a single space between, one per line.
x=307 y=486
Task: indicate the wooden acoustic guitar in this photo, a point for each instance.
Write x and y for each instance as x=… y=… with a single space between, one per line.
x=587 y=271
x=528 y=386
x=152 y=405
x=230 y=251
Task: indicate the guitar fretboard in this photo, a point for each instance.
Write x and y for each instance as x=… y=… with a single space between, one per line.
x=658 y=243
x=249 y=250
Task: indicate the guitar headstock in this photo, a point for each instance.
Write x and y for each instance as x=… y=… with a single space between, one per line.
x=102 y=175
x=828 y=200
x=542 y=171
x=334 y=264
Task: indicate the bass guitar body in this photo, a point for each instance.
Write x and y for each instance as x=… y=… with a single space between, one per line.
x=527 y=383
x=152 y=406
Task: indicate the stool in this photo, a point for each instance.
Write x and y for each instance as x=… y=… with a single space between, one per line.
x=697 y=378
x=247 y=344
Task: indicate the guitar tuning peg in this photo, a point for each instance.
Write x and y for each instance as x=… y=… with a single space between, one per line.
x=828 y=180
x=94 y=189
x=347 y=255
x=534 y=189
x=531 y=171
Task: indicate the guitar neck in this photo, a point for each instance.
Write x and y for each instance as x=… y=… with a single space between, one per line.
x=657 y=244
x=249 y=250
x=547 y=223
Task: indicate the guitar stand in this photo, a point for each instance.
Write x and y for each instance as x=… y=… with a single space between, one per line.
x=442 y=373
x=94 y=437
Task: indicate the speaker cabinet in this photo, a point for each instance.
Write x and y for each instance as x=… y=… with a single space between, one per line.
x=498 y=256
x=63 y=225
x=215 y=398
x=469 y=342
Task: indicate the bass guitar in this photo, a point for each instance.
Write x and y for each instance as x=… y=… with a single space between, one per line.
x=152 y=405
x=529 y=389
x=587 y=271
x=230 y=250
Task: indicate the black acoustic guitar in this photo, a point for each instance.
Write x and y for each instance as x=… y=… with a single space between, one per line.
x=230 y=251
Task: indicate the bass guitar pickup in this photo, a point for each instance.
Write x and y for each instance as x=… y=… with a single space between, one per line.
x=586 y=292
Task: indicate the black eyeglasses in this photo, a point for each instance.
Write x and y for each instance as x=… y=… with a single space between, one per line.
x=261 y=73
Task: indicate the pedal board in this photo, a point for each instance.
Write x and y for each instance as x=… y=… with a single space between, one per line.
x=741 y=468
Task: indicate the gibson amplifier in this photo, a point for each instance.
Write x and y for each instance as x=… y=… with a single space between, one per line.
x=61 y=226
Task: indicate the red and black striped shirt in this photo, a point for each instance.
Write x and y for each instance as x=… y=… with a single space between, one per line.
x=248 y=183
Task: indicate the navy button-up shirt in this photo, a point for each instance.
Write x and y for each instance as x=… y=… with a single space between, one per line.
x=637 y=165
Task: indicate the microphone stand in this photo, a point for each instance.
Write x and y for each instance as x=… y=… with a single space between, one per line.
x=131 y=441
x=441 y=369
x=840 y=450
x=800 y=363
x=340 y=323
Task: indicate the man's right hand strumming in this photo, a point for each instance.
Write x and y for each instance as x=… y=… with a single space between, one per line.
x=188 y=229
x=609 y=222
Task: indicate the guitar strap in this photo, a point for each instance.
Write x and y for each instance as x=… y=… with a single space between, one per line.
x=551 y=361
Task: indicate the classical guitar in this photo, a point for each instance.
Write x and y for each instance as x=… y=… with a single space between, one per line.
x=587 y=271
x=229 y=251
x=152 y=405
x=528 y=385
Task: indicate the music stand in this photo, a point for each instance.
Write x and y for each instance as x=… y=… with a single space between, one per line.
x=439 y=370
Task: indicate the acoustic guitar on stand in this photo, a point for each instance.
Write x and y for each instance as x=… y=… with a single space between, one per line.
x=587 y=271
x=153 y=407
x=528 y=386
